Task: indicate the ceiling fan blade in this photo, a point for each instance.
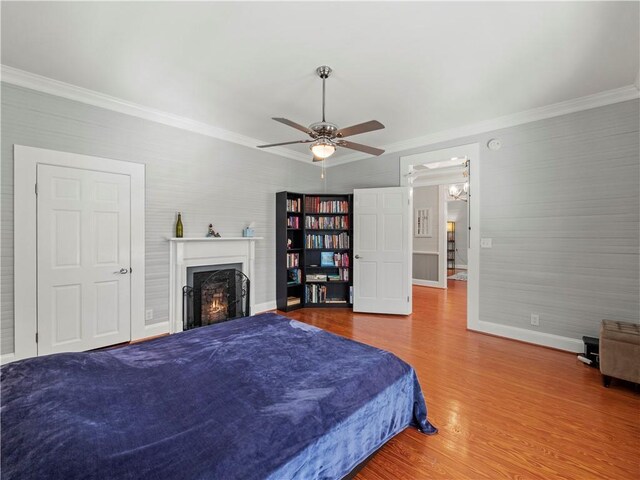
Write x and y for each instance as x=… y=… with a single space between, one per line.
x=361 y=148
x=284 y=143
x=317 y=159
x=295 y=125
x=365 y=127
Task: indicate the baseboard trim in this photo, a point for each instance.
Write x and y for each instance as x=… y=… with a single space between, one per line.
x=264 y=307
x=155 y=329
x=426 y=283
x=8 y=358
x=528 y=336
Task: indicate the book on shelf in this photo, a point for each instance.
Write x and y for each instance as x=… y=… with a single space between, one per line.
x=293 y=301
x=335 y=300
x=294 y=276
x=316 y=277
x=293 y=260
x=327 y=241
x=341 y=259
x=293 y=222
x=315 y=293
x=315 y=205
x=326 y=259
x=294 y=204
x=340 y=222
x=334 y=277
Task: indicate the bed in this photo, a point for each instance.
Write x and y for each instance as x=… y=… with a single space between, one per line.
x=253 y=398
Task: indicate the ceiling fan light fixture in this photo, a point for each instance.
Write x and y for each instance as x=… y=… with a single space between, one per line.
x=322 y=149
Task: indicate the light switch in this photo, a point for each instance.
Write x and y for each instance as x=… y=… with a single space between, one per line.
x=486 y=242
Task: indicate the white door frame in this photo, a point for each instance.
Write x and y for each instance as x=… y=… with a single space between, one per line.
x=26 y=160
x=471 y=152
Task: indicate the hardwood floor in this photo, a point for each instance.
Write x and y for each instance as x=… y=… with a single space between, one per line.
x=504 y=409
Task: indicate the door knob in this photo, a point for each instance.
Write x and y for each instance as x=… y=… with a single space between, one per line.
x=122 y=271
x=358 y=256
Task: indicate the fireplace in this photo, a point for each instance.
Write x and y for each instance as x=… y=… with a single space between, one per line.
x=214 y=295
x=192 y=255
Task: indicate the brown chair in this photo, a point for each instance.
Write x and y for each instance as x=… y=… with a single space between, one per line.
x=619 y=351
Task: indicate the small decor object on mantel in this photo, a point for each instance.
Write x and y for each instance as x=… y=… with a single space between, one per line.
x=212 y=233
x=179 y=227
x=248 y=231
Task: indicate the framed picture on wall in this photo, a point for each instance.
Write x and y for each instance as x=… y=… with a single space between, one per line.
x=422 y=223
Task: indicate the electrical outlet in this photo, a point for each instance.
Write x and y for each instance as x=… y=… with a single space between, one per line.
x=148 y=314
x=486 y=242
x=535 y=319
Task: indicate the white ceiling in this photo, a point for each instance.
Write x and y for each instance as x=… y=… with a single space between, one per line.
x=419 y=68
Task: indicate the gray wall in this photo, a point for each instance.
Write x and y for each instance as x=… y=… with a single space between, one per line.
x=427 y=197
x=425 y=266
x=209 y=180
x=457 y=212
x=561 y=201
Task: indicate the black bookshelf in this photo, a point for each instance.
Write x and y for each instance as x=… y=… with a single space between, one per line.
x=321 y=235
x=451 y=245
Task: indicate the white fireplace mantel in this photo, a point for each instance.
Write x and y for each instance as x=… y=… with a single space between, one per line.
x=197 y=252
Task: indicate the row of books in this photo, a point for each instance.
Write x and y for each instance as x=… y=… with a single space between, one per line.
x=294 y=276
x=332 y=259
x=294 y=204
x=315 y=205
x=328 y=241
x=315 y=293
x=293 y=260
x=293 y=222
x=338 y=222
x=341 y=276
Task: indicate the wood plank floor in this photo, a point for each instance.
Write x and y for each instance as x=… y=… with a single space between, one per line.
x=504 y=409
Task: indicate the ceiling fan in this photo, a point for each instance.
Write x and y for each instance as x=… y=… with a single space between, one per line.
x=326 y=136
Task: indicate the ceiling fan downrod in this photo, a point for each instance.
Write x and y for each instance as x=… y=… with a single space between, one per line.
x=323 y=72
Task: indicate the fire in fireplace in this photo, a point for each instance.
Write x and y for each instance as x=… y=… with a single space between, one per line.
x=215 y=296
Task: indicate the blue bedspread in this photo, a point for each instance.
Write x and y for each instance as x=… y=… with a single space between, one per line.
x=259 y=397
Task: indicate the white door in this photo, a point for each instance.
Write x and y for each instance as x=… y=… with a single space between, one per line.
x=382 y=250
x=83 y=231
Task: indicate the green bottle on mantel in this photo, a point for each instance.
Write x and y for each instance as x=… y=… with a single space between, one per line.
x=179 y=232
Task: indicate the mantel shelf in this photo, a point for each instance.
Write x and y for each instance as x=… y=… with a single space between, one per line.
x=212 y=239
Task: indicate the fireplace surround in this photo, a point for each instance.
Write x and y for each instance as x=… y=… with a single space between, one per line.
x=230 y=252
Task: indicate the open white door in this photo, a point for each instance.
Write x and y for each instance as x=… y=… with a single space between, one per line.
x=382 y=250
x=84 y=259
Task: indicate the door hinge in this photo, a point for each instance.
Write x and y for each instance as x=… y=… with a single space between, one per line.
x=36 y=337
x=407 y=298
x=36 y=188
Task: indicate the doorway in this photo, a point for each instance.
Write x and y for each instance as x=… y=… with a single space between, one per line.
x=77 y=230
x=443 y=168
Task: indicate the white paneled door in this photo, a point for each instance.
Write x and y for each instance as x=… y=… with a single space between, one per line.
x=84 y=249
x=382 y=250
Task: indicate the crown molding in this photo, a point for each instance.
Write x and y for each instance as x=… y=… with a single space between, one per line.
x=630 y=92
x=42 y=84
